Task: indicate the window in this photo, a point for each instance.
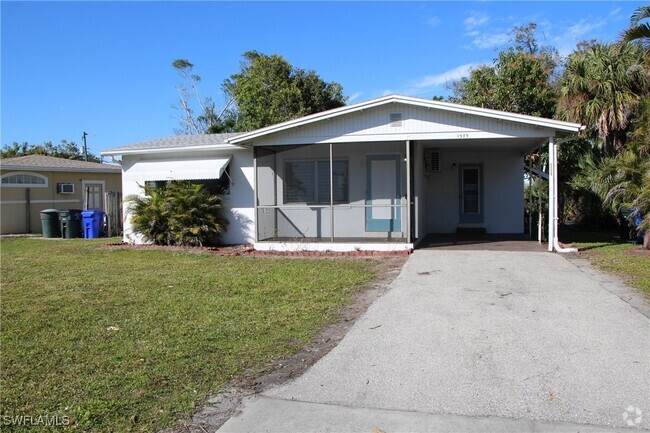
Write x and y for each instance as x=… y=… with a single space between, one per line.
x=309 y=182
x=219 y=186
x=26 y=180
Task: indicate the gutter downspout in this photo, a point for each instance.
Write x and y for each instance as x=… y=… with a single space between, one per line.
x=553 y=242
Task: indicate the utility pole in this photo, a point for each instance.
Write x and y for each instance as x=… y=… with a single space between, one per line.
x=83 y=136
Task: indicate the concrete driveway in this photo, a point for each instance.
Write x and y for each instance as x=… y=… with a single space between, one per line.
x=478 y=341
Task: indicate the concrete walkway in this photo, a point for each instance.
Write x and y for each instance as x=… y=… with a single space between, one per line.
x=477 y=341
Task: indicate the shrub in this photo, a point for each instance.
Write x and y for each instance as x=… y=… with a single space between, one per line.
x=178 y=213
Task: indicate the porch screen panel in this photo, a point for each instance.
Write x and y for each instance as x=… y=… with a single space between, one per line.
x=299 y=186
x=340 y=175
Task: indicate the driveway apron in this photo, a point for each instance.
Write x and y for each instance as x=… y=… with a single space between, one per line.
x=517 y=335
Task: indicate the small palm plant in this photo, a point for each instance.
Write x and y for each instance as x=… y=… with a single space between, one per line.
x=150 y=215
x=196 y=216
x=180 y=213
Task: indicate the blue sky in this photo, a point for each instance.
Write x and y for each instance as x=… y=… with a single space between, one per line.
x=105 y=67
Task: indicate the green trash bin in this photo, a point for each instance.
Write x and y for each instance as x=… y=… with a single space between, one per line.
x=50 y=223
x=70 y=223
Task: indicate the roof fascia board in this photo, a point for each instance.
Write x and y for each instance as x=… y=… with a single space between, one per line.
x=463 y=109
x=172 y=149
x=467 y=136
x=116 y=170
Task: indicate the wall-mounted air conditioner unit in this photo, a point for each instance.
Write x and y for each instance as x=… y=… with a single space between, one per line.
x=431 y=161
x=65 y=188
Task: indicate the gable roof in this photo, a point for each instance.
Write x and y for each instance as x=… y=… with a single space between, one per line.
x=175 y=142
x=557 y=125
x=50 y=163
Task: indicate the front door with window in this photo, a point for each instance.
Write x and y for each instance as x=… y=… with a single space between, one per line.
x=471 y=194
x=93 y=196
x=383 y=192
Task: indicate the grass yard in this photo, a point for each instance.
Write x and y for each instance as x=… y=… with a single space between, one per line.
x=132 y=340
x=611 y=254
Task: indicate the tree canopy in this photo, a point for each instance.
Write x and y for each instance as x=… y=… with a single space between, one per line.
x=519 y=80
x=65 y=149
x=601 y=87
x=269 y=90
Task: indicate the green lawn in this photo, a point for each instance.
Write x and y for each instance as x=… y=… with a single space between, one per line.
x=132 y=340
x=610 y=254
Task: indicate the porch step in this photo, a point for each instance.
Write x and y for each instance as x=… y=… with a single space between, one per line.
x=470 y=230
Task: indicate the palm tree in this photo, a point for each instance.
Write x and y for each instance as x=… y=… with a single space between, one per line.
x=638 y=31
x=601 y=87
x=179 y=213
x=196 y=218
x=622 y=182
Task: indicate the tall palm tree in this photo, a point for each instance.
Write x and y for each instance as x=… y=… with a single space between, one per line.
x=638 y=31
x=601 y=87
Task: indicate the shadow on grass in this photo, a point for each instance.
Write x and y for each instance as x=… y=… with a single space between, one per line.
x=585 y=239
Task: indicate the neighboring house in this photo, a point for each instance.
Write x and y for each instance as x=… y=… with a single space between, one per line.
x=377 y=175
x=29 y=184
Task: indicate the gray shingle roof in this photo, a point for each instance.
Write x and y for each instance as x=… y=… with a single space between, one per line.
x=42 y=162
x=174 y=142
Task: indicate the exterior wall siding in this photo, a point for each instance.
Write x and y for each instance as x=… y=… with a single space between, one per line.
x=503 y=192
x=13 y=203
x=374 y=124
x=239 y=203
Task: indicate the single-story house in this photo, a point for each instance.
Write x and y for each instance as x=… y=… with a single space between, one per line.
x=32 y=183
x=376 y=175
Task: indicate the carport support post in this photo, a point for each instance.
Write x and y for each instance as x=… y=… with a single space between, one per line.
x=256 y=238
x=408 y=191
x=331 y=193
x=552 y=193
x=539 y=197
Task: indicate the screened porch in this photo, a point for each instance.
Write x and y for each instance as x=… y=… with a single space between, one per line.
x=340 y=193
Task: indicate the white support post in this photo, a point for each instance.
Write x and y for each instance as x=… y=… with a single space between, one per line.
x=556 y=195
x=408 y=191
x=255 y=201
x=539 y=198
x=530 y=195
x=552 y=210
x=331 y=193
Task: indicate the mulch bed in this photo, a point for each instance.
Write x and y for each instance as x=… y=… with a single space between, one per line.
x=248 y=250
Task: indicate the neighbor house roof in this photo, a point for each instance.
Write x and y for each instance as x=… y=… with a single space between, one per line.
x=560 y=126
x=175 y=142
x=50 y=163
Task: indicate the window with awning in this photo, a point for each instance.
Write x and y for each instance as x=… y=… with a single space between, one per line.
x=189 y=169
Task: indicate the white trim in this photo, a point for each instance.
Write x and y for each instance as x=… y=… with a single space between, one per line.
x=178 y=169
x=158 y=150
x=331 y=246
x=38 y=201
x=24 y=185
x=445 y=106
x=83 y=193
x=552 y=175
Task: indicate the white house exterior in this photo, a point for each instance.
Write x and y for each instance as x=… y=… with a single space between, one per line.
x=378 y=175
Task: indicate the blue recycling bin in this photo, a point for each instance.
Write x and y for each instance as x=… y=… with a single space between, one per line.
x=92 y=223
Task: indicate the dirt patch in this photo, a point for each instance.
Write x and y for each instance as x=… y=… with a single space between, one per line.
x=640 y=252
x=248 y=250
x=218 y=408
